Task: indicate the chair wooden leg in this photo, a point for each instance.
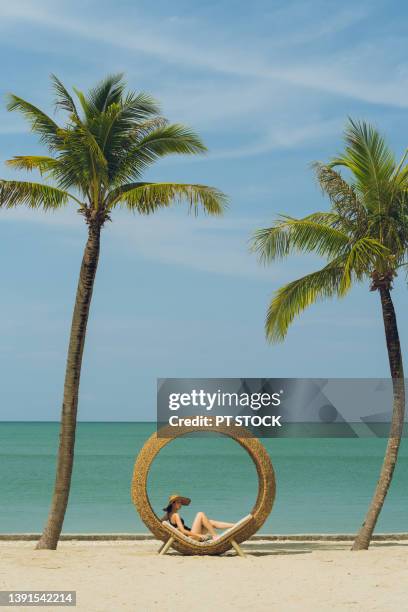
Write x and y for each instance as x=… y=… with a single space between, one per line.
x=163 y=544
x=165 y=547
x=237 y=548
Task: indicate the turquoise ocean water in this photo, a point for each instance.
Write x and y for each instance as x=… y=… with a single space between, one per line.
x=323 y=485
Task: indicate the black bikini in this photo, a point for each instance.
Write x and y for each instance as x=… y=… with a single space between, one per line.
x=182 y=520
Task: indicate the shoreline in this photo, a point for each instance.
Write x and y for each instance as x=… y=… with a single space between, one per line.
x=294 y=537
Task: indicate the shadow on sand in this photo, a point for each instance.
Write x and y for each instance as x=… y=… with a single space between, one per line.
x=297 y=548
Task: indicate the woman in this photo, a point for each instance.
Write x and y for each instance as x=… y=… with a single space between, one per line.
x=202 y=529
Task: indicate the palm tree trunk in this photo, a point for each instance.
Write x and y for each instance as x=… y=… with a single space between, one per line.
x=52 y=530
x=363 y=538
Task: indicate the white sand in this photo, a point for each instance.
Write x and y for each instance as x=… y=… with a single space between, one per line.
x=114 y=576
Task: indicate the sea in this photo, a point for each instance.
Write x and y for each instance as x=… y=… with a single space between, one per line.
x=323 y=485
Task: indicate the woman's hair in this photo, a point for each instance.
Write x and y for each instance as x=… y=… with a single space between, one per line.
x=167 y=510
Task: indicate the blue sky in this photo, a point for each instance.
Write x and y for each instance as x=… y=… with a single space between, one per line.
x=269 y=86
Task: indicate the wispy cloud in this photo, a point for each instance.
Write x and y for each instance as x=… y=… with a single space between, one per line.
x=338 y=72
x=268 y=85
x=214 y=245
x=299 y=14
x=217 y=246
x=282 y=137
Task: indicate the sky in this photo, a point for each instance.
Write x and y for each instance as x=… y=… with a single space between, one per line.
x=269 y=86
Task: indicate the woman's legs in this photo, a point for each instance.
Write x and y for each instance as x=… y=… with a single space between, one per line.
x=202 y=524
x=221 y=524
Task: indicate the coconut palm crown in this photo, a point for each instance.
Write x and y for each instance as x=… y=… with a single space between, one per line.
x=363 y=236
x=97 y=159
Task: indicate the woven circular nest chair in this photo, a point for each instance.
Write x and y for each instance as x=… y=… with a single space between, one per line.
x=243 y=530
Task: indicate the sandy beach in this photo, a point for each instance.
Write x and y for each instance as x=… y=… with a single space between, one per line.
x=110 y=576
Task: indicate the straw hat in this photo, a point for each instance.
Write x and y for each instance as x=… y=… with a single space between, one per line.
x=183 y=500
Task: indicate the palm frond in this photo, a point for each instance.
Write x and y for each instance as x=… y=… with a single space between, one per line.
x=138 y=107
x=292 y=299
x=121 y=126
x=170 y=139
x=40 y=122
x=146 y=126
x=309 y=234
x=86 y=108
x=365 y=255
x=343 y=197
x=145 y=198
x=371 y=162
x=81 y=158
x=151 y=144
x=63 y=99
x=33 y=195
x=106 y=92
x=42 y=163
x=84 y=139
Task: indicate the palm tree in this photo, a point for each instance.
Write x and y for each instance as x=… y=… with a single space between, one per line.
x=363 y=237
x=96 y=161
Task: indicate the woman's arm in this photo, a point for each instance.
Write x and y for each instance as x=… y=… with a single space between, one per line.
x=186 y=532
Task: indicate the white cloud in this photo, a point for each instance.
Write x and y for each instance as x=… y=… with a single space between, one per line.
x=64 y=217
x=359 y=72
x=305 y=25
x=215 y=245
x=218 y=246
x=282 y=137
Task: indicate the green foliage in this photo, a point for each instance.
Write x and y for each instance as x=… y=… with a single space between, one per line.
x=291 y=299
x=147 y=197
x=364 y=233
x=108 y=140
x=287 y=235
x=33 y=195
